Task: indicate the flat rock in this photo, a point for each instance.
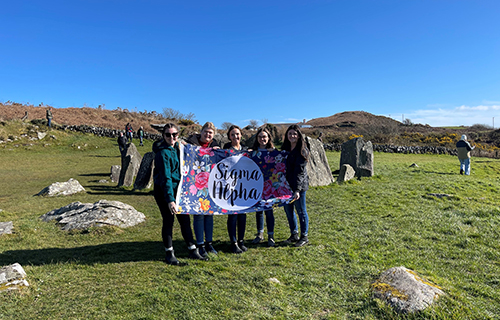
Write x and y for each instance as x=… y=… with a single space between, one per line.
x=41 y=135
x=79 y=215
x=440 y=195
x=12 y=277
x=67 y=188
x=404 y=290
x=6 y=227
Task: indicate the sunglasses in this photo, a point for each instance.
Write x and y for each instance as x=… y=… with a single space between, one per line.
x=173 y=135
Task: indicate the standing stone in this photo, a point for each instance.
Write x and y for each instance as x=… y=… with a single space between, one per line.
x=318 y=170
x=6 y=227
x=67 y=188
x=131 y=162
x=404 y=290
x=359 y=155
x=12 y=277
x=144 y=178
x=115 y=173
x=346 y=173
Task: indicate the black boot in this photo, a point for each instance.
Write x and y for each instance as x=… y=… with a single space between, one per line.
x=258 y=238
x=242 y=246
x=195 y=255
x=171 y=259
x=210 y=248
x=302 y=241
x=235 y=248
x=202 y=251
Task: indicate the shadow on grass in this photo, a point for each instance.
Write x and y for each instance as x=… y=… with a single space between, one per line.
x=114 y=190
x=442 y=173
x=101 y=156
x=94 y=175
x=103 y=253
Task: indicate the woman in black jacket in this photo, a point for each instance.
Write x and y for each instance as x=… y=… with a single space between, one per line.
x=296 y=175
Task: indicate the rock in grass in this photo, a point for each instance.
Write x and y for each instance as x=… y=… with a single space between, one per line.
x=131 y=162
x=318 y=170
x=440 y=195
x=12 y=277
x=6 y=227
x=79 y=215
x=67 y=188
x=144 y=179
x=404 y=290
x=346 y=173
x=115 y=173
x=414 y=165
x=359 y=155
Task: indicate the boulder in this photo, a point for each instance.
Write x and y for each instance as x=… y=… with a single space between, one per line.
x=12 y=277
x=359 y=155
x=144 y=178
x=6 y=227
x=115 y=173
x=67 y=188
x=41 y=135
x=318 y=170
x=346 y=173
x=404 y=290
x=79 y=215
x=131 y=162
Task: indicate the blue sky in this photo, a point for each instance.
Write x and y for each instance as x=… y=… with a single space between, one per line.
x=434 y=62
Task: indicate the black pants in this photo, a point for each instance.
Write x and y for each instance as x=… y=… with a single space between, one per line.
x=168 y=221
x=234 y=220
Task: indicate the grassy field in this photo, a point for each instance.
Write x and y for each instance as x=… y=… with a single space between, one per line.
x=357 y=230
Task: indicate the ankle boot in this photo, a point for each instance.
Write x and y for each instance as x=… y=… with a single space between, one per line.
x=270 y=240
x=235 y=248
x=201 y=250
x=210 y=248
x=259 y=237
x=242 y=246
x=195 y=255
x=171 y=259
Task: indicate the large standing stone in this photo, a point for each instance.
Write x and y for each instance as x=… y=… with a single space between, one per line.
x=131 y=162
x=79 y=215
x=144 y=178
x=115 y=173
x=67 y=188
x=359 y=155
x=12 y=277
x=318 y=170
x=346 y=173
x=404 y=290
x=6 y=227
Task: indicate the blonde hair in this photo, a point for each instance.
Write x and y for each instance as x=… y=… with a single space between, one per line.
x=209 y=125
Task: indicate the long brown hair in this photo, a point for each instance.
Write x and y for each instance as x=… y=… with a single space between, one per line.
x=256 y=143
x=301 y=144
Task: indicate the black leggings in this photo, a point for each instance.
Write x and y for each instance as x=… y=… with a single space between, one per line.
x=168 y=221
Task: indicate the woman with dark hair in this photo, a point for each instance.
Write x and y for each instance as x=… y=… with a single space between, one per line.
x=296 y=175
x=204 y=224
x=167 y=175
x=236 y=220
x=264 y=142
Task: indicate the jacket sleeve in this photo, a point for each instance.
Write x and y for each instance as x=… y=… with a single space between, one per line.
x=168 y=189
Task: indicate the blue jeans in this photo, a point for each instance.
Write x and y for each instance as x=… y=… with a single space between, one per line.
x=203 y=224
x=465 y=165
x=241 y=220
x=300 y=208
x=259 y=216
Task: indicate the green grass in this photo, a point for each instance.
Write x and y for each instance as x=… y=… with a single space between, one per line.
x=357 y=230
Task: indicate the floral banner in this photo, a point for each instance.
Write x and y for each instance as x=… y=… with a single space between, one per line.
x=217 y=181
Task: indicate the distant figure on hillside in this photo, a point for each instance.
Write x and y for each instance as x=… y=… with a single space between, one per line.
x=25 y=117
x=129 y=132
x=122 y=143
x=48 y=115
x=464 y=149
x=140 y=133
